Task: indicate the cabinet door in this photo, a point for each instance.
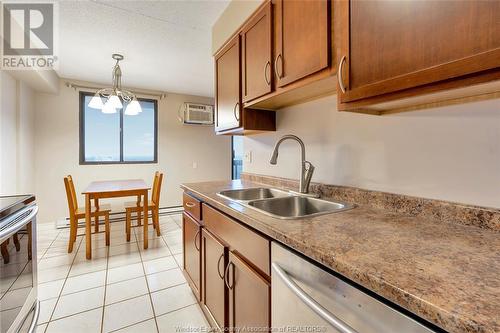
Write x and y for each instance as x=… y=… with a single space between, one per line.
x=256 y=55
x=192 y=255
x=395 y=45
x=302 y=39
x=228 y=86
x=249 y=296
x=214 y=259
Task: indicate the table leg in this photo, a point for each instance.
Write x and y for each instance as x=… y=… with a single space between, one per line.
x=96 y=217
x=145 y=205
x=88 y=229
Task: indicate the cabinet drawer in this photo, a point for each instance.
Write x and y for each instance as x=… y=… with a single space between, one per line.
x=246 y=242
x=192 y=206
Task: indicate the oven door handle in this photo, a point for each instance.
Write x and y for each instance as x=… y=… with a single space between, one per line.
x=326 y=315
x=32 y=328
x=10 y=230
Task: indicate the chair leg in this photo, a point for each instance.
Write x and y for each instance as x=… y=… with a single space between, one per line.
x=127 y=224
x=156 y=214
x=5 y=252
x=96 y=223
x=139 y=217
x=16 y=242
x=107 y=229
x=72 y=234
x=30 y=241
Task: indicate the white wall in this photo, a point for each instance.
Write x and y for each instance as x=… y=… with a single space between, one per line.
x=450 y=153
x=57 y=154
x=236 y=12
x=26 y=139
x=16 y=136
x=8 y=133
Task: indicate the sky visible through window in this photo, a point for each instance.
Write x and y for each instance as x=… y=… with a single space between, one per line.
x=102 y=135
x=237 y=147
x=138 y=135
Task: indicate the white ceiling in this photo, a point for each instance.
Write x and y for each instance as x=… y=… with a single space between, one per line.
x=166 y=44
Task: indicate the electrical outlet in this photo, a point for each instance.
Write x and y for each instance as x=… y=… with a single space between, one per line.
x=248 y=156
x=195 y=165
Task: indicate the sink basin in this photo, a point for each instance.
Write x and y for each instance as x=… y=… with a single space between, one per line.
x=294 y=207
x=257 y=193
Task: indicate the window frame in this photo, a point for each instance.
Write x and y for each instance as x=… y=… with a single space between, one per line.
x=81 y=126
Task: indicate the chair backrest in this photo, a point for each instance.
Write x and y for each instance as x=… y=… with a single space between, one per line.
x=155 y=181
x=155 y=195
x=70 y=195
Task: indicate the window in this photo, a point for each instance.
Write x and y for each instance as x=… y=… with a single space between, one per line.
x=116 y=137
x=237 y=156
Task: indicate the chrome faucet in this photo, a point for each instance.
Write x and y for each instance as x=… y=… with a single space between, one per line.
x=306 y=170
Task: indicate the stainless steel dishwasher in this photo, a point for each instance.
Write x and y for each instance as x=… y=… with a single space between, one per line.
x=306 y=298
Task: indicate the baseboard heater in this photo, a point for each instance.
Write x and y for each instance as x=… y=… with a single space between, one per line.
x=120 y=216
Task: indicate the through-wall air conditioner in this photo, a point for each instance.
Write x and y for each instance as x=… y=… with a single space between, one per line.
x=197 y=114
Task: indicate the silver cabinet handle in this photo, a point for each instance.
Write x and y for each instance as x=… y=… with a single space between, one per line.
x=268 y=64
x=235 y=111
x=34 y=321
x=278 y=75
x=190 y=204
x=329 y=317
x=195 y=239
x=226 y=276
x=339 y=74
x=218 y=266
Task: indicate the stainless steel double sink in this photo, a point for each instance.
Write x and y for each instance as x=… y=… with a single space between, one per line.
x=283 y=204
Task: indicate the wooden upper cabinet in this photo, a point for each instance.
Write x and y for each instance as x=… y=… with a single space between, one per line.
x=228 y=86
x=214 y=261
x=302 y=39
x=191 y=233
x=249 y=297
x=256 y=55
x=389 y=46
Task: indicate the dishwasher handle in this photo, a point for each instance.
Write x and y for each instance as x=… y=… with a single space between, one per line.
x=329 y=317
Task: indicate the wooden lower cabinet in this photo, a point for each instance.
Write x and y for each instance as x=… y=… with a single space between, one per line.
x=227 y=266
x=214 y=260
x=191 y=237
x=249 y=297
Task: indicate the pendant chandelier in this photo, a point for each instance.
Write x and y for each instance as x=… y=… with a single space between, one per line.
x=114 y=96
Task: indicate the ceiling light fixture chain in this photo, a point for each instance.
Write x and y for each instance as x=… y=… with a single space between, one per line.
x=115 y=95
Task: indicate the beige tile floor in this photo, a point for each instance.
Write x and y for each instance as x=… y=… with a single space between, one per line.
x=124 y=288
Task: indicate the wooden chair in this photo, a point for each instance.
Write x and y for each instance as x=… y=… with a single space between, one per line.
x=153 y=206
x=76 y=213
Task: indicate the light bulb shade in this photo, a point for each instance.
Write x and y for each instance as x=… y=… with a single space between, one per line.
x=133 y=108
x=108 y=108
x=96 y=102
x=115 y=101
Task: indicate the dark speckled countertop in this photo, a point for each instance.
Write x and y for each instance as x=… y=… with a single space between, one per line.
x=446 y=273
